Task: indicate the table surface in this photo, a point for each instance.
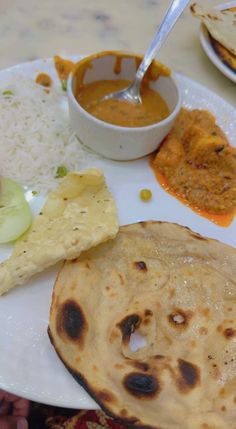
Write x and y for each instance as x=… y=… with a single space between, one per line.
x=31 y=29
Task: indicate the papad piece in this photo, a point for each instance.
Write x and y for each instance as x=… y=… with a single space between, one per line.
x=147 y=324
x=79 y=214
x=221 y=24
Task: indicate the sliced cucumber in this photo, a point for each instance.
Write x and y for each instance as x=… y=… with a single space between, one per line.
x=10 y=192
x=14 y=221
x=15 y=214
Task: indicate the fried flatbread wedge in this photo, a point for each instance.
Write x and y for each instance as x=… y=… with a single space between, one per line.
x=147 y=324
x=79 y=214
x=225 y=55
x=221 y=24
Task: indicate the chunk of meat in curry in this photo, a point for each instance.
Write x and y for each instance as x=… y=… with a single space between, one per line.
x=198 y=163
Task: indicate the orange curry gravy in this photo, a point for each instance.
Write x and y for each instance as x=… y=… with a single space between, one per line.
x=63 y=67
x=152 y=109
x=44 y=79
x=196 y=164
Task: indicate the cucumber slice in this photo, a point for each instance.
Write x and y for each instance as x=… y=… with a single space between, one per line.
x=10 y=192
x=15 y=214
x=14 y=221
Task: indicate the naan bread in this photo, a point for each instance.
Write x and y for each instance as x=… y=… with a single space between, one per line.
x=220 y=24
x=175 y=291
x=79 y=214
x=224 y=54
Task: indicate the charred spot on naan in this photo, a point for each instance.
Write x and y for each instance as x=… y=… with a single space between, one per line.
x=128 y=326
x=71 y=322
x=105 y=396
x=143 y=366
x=148 y=314
x=143 y=386
x=229 y=333
x=140 y=265
x=188 y=376
x=196 y=235
x=180 y=319
x=227 y=329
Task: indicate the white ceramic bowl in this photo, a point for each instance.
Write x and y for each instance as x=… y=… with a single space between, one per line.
x=112 y=141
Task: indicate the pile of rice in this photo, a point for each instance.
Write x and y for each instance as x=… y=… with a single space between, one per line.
x=35 y=136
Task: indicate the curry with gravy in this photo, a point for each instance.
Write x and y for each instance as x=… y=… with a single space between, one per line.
x=196 y=163
x=119 y=112
x=153 y=108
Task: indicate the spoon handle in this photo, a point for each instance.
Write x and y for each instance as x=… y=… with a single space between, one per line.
x=171 y=16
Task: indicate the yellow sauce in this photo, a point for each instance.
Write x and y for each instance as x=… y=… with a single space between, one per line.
x=118 y=112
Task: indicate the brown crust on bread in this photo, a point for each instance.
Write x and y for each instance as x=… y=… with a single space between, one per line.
x=227 y=57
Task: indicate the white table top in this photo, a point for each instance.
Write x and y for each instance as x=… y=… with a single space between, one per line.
x=31 y=29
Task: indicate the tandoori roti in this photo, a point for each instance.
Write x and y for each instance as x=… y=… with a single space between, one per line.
x=146 y=323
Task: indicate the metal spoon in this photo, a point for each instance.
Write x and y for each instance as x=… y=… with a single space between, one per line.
x=132 y=93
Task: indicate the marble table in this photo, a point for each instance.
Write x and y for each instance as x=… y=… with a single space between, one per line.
x=31 y=29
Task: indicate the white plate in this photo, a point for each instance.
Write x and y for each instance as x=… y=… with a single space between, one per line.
x=209 y=50
x=28 y=364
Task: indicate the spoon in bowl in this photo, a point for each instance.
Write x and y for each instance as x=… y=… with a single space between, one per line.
x=132 y=93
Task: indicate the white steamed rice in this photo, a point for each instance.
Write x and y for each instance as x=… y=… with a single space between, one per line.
x=35 y=136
